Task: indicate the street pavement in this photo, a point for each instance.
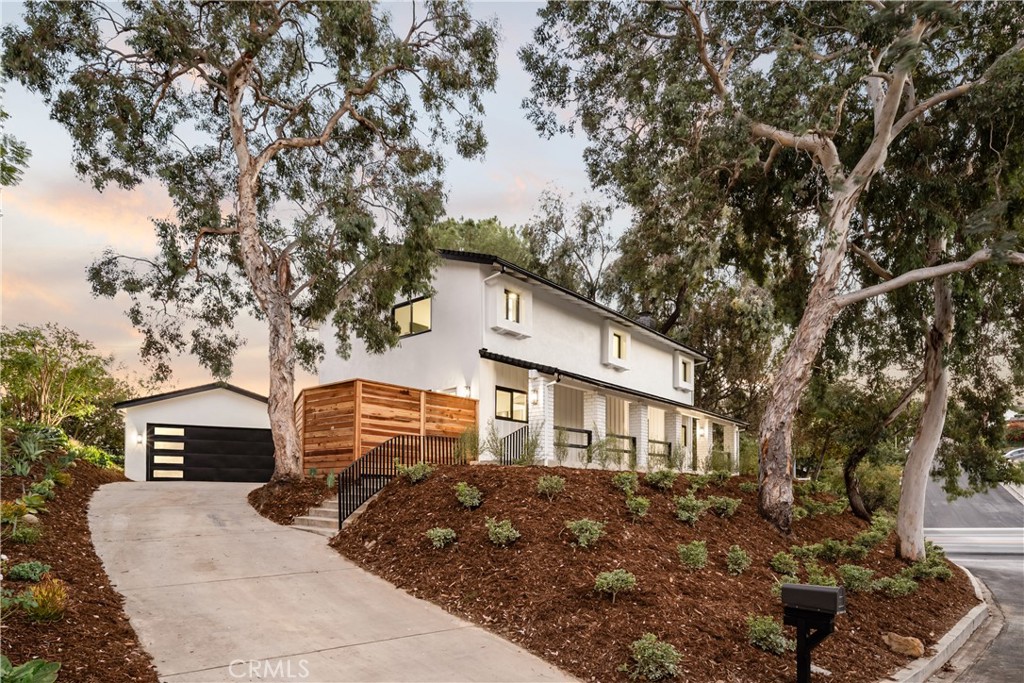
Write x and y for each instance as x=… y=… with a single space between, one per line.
x=985 y=534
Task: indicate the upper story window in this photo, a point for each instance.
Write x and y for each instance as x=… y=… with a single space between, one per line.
x=412 y=317
x=682 y=373
x=510 y=404
x=615 y=346
x=618 y=346
x=513 y=306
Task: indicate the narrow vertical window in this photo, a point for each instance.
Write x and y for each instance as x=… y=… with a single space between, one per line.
x=618 y=346
x=513 y=304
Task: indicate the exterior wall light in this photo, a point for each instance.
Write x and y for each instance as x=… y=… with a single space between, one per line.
x=464 y=391
x=138 y=439
x=534 y=396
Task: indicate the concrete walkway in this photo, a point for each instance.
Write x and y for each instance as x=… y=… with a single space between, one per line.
x=218 y=593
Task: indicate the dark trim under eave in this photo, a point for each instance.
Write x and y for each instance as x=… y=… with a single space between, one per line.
x=551 y=370
x=188 y=392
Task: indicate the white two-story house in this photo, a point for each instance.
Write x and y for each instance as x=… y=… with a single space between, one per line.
x=537 y=355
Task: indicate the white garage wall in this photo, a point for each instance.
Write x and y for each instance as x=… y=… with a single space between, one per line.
x=213 y=408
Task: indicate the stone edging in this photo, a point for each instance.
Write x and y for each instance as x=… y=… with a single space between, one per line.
x=922 y=669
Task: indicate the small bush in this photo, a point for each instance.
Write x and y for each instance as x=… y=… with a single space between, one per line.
x=933 y=566
x=27 y=571
x=440 y=536
x=653 y=660
x=615 y=582
x=414 y=474
x=767 y=634
x=63 y=478
x=629 y=482
x=748 y=486
x=638 y=506
x=786 y=578
x=51 y=598
x=856 y=579
x=550 y=485
x=12 y=510
x=34 y=671
x=468 y=495
x=799 y=513
x=736 y=560
x=689 y=509
x=784 y=563
x=661 y=479
x=831 y=550
x=895 y=586
x=97 y=456
x=501 y=533
x=586 y=531
x=44 y=488
x=10 y=602
x=805 y=552
x=816 y=576
x=694 y=554
x=26 y=534
x=33 y=503
x=723 y=506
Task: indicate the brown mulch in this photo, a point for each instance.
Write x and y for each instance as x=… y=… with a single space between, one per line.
x=93 y=641
x=283 y=501
x=539 y=591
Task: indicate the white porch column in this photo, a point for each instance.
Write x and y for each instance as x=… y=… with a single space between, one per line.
x=639 y=428
x=595 y=414
x=542 y=417
x=673 y=429
x=736 y=449
x=703 y=443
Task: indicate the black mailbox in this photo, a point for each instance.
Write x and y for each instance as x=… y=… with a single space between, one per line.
x=824 y=599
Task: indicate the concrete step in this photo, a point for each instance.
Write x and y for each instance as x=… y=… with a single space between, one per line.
x=320 y=522
x=329 y=513
x=320 y=531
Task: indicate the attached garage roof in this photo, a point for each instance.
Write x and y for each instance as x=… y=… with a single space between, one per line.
x=188 y=392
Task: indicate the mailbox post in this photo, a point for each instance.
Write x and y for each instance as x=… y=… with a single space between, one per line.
x=812 y=609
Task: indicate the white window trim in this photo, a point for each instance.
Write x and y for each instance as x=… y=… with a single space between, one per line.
x=680 y=359
x=607 y=358
x=496 y=308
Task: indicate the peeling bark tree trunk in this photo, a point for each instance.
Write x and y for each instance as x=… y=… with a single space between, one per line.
x=776 y=434
x=910 y=518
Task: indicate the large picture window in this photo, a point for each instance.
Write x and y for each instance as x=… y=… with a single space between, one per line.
x=510 y=404
x=412 y=317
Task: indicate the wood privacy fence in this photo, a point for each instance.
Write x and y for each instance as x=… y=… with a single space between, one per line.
x=340 y=422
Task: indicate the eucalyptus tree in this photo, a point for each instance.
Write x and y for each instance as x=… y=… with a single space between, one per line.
x=14 y=154
x=693 y=109
x=301 y=144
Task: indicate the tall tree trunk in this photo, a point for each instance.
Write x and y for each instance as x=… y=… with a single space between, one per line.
x=776 y=462
x=910 y=517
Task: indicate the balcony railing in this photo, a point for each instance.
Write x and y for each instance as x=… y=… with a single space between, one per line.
x=659 y=454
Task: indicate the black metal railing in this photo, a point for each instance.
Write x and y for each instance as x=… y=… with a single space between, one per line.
x=571 y=437
x=659 y=453
x=622 y=445
x=365 y=477
x=514 y=446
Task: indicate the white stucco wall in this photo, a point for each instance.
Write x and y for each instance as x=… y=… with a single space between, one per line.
x=214 y=408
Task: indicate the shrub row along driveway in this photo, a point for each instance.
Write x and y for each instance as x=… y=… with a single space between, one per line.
x=218 y=593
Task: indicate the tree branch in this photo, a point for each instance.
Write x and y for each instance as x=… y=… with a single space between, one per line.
x=818 y=145
x=871 y=263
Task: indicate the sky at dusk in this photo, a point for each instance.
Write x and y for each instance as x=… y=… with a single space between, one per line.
x=55 y=224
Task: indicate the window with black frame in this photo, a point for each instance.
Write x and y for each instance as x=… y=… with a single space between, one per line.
x=412 y=317
x=510 y=404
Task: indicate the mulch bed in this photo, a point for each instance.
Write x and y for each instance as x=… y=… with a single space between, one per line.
x=283 y=501
x=93 y=641
x=539 y=591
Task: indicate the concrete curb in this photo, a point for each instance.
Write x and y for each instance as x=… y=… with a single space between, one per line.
x=1015 y=490
x=920 y=670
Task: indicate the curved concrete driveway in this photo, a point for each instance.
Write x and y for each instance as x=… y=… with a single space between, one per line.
x=218 y=593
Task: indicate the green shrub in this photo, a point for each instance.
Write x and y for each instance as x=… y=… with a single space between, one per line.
x=468 y=447
x=694 y=554
x=414 y=474
x=501 y=533
x=638 y=506
x=799 y=513
x=33 y=503
x=689 y=509
x=881 y=526
x=720 y=461
x=50 y=600
x=550 y=485
x=27 y=571
x=97 y=456
x=817 y=576
x=11 y=602
x=44 y=488
x=748 y=486
x=468 y=495
x=933 y=566
x=767 y=634
x=856 y=579
x=750 y=452
x=586 y=531
x=331 y=481
x=629 y=482
x=661 y=479
x=831 y=550
x=723 y=506
x=615 y=582
x=440 y=536
x=653 y=660
x=34 y=671
x=736 y=560
x=880 y=485
x=26 y=534
x=784 y=563
x=12 y=510
x=785 y=578
x=895 y=586
x=805 y=552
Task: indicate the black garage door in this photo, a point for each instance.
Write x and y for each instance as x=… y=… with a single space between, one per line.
x=192 y=453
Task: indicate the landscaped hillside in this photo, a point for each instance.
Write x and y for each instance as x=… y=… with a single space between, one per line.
x=539 y=590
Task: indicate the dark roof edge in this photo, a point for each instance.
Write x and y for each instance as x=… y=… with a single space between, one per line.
x=188 y=392
x=488 y=259
x=551 y=370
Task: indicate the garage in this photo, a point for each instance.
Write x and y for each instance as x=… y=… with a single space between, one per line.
x=213 y=432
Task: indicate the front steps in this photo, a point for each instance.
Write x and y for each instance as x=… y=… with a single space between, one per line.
x=321 y=520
